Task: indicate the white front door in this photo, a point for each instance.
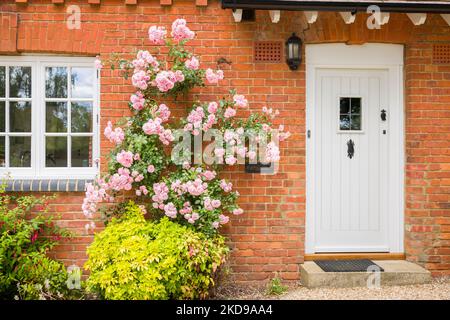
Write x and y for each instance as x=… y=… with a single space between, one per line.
x=354 y=152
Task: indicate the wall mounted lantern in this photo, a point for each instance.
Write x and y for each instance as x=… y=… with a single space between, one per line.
x=293 y=52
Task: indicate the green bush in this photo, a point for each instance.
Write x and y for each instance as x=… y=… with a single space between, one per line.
x=138 y=259
x=26 y=272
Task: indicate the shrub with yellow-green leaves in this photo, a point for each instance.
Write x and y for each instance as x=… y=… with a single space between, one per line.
x=138 y=259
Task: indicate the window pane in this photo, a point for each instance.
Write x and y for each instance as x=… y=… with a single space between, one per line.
x=81 y=116
x=56 y=117
x=356 y=105
x=20 y=116
x=20 y=152
x=56 y=152
x=81 y=152
x=20 y=82
x=56 y=82
x=2 y=82
x=345 y=123
x=344 y=105
x=356 y=122
x=82 y=82
x=2 y=152
x=2 y=116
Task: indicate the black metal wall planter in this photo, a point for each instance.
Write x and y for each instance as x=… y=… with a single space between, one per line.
x=257 y=167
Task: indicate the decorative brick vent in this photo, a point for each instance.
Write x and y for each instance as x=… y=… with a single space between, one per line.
x=441 y=54
x=268 y=51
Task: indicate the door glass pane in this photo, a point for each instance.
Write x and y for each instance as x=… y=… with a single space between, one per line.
x=20 y=152
x=20 y=116
x=350 y=114
x=2 y=152
x=56 y=82
x=345 y=122
x=56 y=152
x=345 y=105
x=81 y=116
x=356 y=122
x=2 y=82
x=2 y=116
x=82 y=82
x=81 y=152
x=356 y=105
x=20 y=82
x=56 y=117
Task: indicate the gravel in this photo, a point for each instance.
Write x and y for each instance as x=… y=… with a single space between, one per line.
x=438 y=289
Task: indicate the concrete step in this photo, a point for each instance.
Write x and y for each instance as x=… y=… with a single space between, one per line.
x=396 y=272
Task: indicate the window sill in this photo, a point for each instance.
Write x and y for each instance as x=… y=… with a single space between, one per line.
x=47 y=185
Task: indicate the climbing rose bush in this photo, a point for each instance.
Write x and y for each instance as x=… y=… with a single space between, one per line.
x=142 y=161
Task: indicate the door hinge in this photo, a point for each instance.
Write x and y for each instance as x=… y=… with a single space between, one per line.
x=308 y=134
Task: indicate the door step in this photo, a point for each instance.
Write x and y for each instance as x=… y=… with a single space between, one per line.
x=396 y=272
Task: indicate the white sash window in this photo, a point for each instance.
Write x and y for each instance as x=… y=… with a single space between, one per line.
x=48 y=117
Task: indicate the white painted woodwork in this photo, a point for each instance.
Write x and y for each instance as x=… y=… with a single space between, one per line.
x=237 y=15
x=311 y=16
x=417 y=18
x=348 y=17
x=384 y=18
x=355 y=205
x=275 y=16
x=446 y=17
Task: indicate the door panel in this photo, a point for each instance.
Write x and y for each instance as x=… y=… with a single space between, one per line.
x=351 y=194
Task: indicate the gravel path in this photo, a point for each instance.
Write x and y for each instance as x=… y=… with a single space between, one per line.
x=438 y=289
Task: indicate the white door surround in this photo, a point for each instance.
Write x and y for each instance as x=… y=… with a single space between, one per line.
x=354 y=203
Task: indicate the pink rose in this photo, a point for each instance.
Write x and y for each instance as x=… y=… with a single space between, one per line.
x=157 y=35
x=192 y=63
x=223 y=219
x=229 y=112
x=125 y=158
x=240 y=101
x=213 y=77
x=137 y=101
x=180 y=31
x=212 y=107
x=140 y=79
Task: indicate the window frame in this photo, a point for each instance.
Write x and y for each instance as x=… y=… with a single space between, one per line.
x=361 y=114
x=38 y=63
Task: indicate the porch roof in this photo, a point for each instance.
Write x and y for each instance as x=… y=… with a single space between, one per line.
x=340 y=5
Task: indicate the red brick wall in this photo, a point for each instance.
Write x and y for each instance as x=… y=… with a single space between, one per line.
x=269 y=237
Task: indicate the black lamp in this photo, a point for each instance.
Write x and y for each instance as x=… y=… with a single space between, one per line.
x=293 y=52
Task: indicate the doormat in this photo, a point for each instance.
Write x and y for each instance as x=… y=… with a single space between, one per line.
x=362 y=265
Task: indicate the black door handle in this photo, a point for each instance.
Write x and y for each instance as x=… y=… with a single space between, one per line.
x=350 y=148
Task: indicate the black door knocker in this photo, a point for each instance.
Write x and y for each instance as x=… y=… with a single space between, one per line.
x=383 y=115
x=350 y=148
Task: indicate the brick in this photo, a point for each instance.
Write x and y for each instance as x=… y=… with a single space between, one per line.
x=201 y=2
x=270 y=235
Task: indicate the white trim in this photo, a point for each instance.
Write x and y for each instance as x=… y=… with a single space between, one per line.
x=417 y=18
x=369 y=56
x=446 y=17
x=348 y=17
x=275 y=16
x=237 y=15
x=38 y=169
x=311 y=16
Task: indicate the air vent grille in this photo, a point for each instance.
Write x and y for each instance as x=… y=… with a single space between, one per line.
x=268 y=51
x=441 y=54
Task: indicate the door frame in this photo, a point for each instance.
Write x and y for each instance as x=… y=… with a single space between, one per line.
x=368 y=56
